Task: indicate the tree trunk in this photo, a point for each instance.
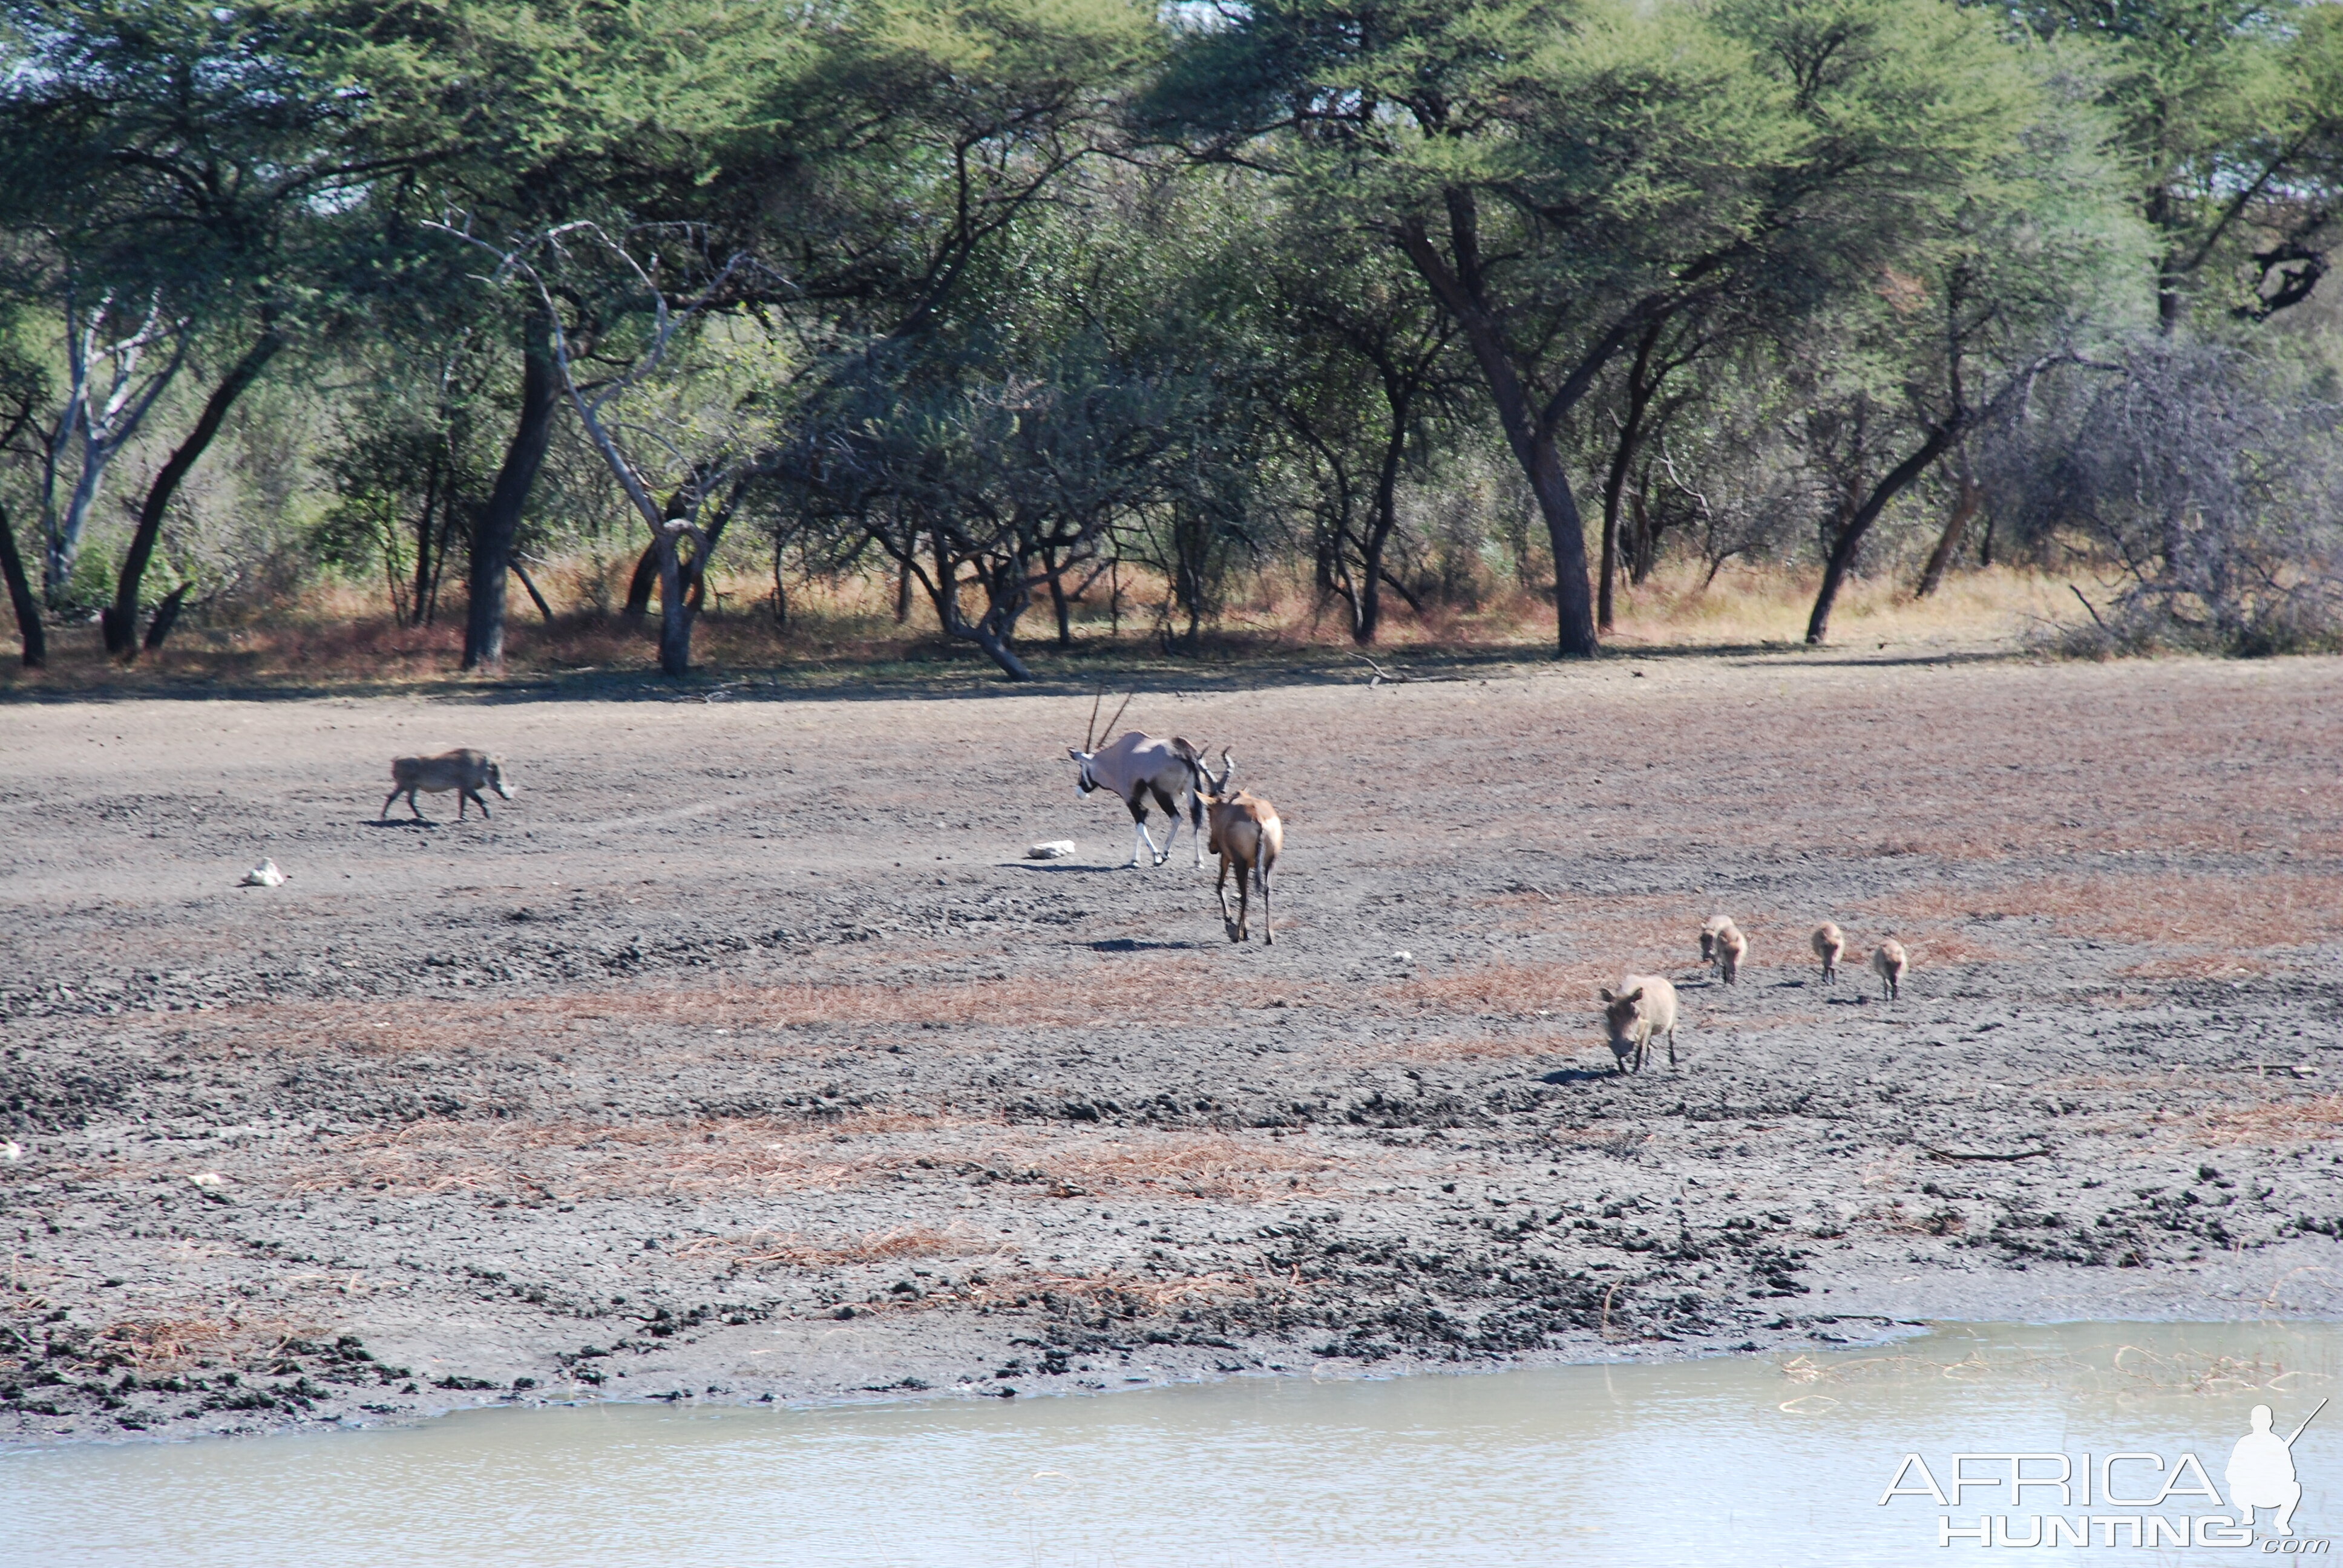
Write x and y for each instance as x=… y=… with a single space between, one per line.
x=695 y=575
x=1614 y=483
x=647 y=565
x=996 y=648
x=498 y=522
x=1646 y=550
x=440 y=558
x=166 y=616
x=1964 y=508
x=1574 y=606
x=121 y=622
x=1851 y=533
x=424 y=527
x=1056 y=573
x=30 y=632
x=1003 y=605
x=1531 y=438
x=1368 y=617
x=544 y=611
x=675 y=609
x=902 y=592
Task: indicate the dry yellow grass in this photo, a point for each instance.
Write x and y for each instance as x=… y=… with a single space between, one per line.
x=497 y=1160
x=1509 y=990
x=341 y=632
x=2267 y=909
x=2265 y=1123
x=763 y=1249
x=1751 y=605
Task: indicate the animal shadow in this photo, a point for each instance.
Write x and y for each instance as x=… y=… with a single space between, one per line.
x=1130 y=945
x=404 y=824
x=1579 y=1075
x=1055 y=868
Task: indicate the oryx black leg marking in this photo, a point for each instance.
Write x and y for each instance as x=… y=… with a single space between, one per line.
x=1171 y=809
x=1138 y=804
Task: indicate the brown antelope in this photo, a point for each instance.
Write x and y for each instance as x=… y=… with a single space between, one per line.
x=1708 y=930
x=1642 y=1006
x=1139 y=765
x=1829 y=945
x=463 y=770
x=1889 y=963
x=1246 y=832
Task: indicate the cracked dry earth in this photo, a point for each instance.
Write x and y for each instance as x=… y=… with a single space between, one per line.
x=741 y=1056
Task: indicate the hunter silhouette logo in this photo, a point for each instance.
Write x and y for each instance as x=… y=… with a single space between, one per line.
x=2129 y=1499
x=2261 y=1471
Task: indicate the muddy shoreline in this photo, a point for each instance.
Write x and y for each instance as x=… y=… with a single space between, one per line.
x=742 y=1057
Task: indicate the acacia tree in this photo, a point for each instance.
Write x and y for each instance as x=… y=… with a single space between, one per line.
x=971 y=468
x=2021 y=270
x=1369 y=370
x=2229 y=114
x=1561 y=175
x=212 y=161
x=116 y=367
x=614 y=322
x=23 y=391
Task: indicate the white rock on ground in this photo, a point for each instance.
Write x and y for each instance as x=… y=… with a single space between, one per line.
x=1055 y=849
x=264 y=875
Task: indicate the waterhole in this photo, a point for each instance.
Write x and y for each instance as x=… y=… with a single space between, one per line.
x=1757 y=1460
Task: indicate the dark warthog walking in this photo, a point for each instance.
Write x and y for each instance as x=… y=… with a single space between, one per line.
x=463 y=770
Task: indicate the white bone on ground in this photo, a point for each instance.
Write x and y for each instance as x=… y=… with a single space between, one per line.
x=1055 y=849
x=264 y=875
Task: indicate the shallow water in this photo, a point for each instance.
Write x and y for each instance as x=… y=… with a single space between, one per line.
x=1747 y=1460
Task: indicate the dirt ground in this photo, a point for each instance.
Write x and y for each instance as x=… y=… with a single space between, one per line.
x=743 y=1056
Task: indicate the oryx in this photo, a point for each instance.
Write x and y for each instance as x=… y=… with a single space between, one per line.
x=1138 y=766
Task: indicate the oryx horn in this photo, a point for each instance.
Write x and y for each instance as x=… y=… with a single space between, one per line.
x=1111 y=723
x=1090 y=735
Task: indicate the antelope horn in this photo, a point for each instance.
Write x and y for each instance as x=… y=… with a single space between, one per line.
x=1117 y=718
x=1090 y=736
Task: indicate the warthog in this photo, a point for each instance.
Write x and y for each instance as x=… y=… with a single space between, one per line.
x=1830 y=946
x=463 y=770
x=1708 y=930
x=1889 y=964
x=1731 y=952
x=1642 y=1006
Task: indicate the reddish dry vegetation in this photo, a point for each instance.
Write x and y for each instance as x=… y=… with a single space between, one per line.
x=726 y=1018
x=2273 y=909
x=572 y=1160
x=2265 y=1123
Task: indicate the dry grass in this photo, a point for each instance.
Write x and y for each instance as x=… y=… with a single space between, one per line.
x=754 y=1018
x=2270 y=909
x=1467 y=1048
x=339 y=633
x=1748 y=605
x=161 y=1346
x=498 y=1159
x=2265 y=1123
x=765 y=1248
x=2198 y=966
x=1507 y=990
